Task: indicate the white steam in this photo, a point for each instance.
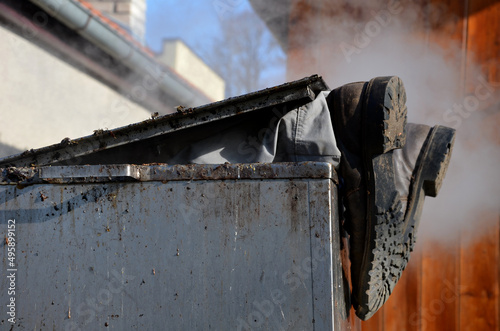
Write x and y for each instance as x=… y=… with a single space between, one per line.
x=391 y=40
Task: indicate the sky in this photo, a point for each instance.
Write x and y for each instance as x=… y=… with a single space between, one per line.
x=195 y=22
x=198 y=23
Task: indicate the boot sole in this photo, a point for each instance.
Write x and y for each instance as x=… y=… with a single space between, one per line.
x=429 y=173
x=384 y=115
x=393 y=235
x=384 y=123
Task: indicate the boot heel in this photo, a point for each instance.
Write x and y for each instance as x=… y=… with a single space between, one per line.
x=385 y=114
x=436 y=158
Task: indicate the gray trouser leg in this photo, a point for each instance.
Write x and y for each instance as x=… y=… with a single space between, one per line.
x=301 y=134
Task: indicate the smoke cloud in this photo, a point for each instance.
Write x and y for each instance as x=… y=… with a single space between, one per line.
x=394 y=38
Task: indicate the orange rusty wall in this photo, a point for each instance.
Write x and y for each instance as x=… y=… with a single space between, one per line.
x=453 y=286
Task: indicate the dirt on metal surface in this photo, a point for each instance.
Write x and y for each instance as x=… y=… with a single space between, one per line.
x=164 y=172
x=124 y=253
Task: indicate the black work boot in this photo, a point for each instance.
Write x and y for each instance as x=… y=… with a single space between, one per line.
x=420 y=169
x=369 y=120
x=384 y=192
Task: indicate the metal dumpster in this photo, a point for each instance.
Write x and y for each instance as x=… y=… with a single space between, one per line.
x=107 y=244
x=199 y=247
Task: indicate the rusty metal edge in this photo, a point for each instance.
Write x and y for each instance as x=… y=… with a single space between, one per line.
x=25 y=176
x=306 y=88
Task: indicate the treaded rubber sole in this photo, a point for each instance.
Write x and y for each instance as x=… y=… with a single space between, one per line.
x=384 y=123
x=437 y=158
x=385 y=114
x=428 y=175
x=395 y=235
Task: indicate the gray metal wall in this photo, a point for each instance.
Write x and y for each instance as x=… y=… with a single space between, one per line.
x=213 y=254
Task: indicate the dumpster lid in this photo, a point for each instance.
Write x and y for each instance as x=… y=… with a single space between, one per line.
x=162 y=172
x=303 y=90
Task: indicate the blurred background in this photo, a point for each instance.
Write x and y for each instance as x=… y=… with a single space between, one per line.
x=70 y=67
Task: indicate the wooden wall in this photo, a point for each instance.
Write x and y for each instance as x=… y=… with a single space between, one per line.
x=452 y=286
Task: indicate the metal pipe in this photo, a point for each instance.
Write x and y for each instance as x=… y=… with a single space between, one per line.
x=80 y=19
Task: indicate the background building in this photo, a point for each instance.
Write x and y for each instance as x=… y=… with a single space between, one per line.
x=72 y=67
